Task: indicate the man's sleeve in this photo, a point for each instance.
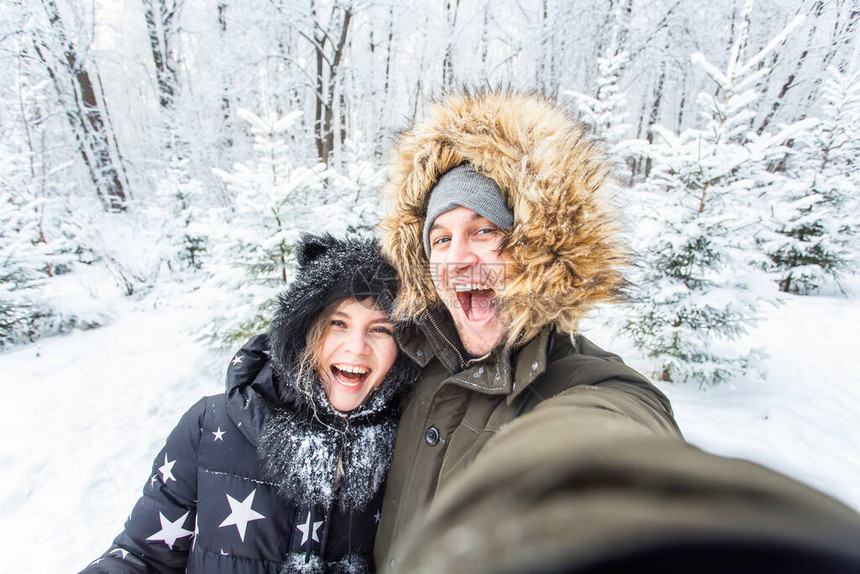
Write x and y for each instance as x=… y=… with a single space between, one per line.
x=597 y=394
x=159 y=532
x=597 y=480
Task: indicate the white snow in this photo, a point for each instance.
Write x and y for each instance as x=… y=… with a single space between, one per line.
x=85 y=413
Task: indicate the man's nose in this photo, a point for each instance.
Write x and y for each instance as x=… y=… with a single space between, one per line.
x=461 y=255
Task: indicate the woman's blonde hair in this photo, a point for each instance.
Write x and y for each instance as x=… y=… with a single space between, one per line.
x=309 y=367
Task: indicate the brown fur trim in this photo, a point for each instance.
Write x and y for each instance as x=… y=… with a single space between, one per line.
x=564 y=246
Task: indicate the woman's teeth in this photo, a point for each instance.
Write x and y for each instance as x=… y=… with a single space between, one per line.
x=351 y=369
x=350 y=375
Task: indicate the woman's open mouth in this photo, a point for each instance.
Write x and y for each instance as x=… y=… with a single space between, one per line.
x=477 y=300
x=350 y=376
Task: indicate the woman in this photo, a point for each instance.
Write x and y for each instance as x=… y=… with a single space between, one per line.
x=284 y=471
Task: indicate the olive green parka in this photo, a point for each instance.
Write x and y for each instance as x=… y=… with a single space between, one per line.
x=549 y=454
x=453 y=412
x=564 y=257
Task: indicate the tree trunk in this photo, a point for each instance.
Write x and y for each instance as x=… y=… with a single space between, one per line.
x=327 y=75
x=448 y=61
x=655 y=111
x=86 y=114
x=485 y=40
x=160 y=25
x=816 y=10
x=226 y=118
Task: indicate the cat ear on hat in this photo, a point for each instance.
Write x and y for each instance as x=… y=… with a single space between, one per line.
x=312 y=247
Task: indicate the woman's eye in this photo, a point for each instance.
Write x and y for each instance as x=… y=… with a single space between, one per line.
x=337 y=323
x=383 y=331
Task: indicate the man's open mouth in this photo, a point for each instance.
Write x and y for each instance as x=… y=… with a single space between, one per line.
x=478 y=300
x=350 y=375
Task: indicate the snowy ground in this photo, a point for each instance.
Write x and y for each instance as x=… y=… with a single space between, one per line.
x=85 y=413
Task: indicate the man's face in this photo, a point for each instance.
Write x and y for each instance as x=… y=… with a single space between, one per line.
x=468 y=271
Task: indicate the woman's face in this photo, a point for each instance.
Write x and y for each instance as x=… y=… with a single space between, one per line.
x=356 y=353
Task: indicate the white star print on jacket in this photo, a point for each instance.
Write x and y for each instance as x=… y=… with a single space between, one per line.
x=307 y=530
x=241 y=514
x=171 y=531
x=166 y=469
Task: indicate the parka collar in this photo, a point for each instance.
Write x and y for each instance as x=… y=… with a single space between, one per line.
x=502 y=372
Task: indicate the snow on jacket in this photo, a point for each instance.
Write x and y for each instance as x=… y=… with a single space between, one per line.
x=248 y=481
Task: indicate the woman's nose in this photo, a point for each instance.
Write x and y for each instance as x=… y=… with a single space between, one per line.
x=356 y=343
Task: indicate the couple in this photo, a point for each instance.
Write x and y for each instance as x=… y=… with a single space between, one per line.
x=537 y=450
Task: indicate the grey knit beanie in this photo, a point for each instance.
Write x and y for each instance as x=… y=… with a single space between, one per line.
x=462 y=186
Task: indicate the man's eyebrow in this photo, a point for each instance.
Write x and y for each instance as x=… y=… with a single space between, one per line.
x=475 y=215
x=434 y=227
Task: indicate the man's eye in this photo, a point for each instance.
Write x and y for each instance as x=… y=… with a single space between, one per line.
x=440 y=240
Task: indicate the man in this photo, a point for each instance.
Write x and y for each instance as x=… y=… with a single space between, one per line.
x=503 y=235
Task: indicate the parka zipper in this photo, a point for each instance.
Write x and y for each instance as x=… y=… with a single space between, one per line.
x=464 y=364
x=450 y=344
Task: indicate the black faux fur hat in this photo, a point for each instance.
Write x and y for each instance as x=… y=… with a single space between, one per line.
x=331 y=269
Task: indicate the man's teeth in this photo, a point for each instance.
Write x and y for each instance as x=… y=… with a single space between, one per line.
x=352 y=369
x=472 y=287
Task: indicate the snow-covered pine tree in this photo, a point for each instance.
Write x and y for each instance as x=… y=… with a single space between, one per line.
x=23 y=269
x=253 y=248
x=606 y=113
x=179 y=211
x=815 y=220
x=33 y=248
x=697 y=221
x=353 y=204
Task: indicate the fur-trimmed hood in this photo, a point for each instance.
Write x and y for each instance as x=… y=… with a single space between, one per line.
x=565 y=246
x=330 y=269
x=314 y=453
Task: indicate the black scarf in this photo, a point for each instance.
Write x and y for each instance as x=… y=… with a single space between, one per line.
x=305 y=439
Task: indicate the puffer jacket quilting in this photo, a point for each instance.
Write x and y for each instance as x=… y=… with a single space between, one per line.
x=208 y=508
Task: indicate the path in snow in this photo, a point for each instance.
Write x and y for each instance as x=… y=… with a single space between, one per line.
x=83 y=417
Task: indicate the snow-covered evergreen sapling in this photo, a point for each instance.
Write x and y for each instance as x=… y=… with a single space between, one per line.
x=815 y=219
x=21 y=270
x=253 y=257
x=698 y=218
x=28 y=260
x=179 y=210
x=606 y=113
x=350 y=203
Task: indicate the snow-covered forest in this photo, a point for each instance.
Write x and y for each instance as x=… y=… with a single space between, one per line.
x=174 y=150
x=154 y=139
x=179 y=140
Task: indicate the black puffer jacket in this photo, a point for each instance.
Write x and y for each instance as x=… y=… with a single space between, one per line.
x=248 y=480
